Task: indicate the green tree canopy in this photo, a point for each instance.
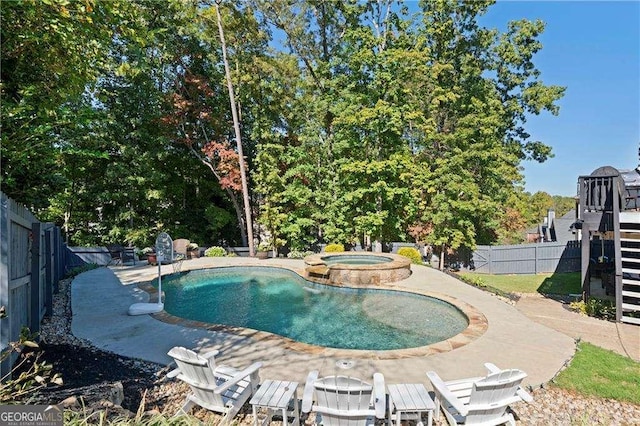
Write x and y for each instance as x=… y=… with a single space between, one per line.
x=359 y=120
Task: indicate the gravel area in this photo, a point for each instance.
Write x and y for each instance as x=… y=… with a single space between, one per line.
x=85 y=368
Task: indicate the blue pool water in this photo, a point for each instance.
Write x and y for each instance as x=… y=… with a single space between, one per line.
x=356 y=259
x=281 y=302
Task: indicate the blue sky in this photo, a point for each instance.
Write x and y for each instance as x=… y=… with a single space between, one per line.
x=592 y=48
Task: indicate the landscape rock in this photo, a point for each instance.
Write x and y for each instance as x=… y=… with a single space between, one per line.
x=70 y=402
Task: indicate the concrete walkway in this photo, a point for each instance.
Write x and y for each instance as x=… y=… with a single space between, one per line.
x=619 y=337
x=100 y=299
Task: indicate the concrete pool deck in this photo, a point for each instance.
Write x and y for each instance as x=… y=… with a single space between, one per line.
x=101 y=298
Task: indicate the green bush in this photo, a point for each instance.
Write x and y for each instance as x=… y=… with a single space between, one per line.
x=265 y=246
x=297 y=254
x=334 y=248
x=578 y=306
x=598 y=308
x=473 y=280
x=411 y=253
x=215 y=251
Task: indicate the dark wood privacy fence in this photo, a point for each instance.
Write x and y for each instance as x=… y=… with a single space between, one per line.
x=32 y=257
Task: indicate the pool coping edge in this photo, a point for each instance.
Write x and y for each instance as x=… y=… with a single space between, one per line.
x=477 y=326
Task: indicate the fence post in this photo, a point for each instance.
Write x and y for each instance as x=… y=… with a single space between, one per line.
x=49 y=271
x=490 y=260
x=62 y=258
x=535 y=263
x=5 y=330
x=34 y=286
x=585 y=250
x=59 y=253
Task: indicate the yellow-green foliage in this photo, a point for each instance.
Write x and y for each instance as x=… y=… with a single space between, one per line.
x=411 y=253
x=215 y=251
x=334 y=248
x=598 y=308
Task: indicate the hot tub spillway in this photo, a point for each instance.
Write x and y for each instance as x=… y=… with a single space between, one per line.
x=318 y=271
x=354 y=269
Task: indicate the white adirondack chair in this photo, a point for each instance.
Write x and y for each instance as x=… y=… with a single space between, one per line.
x=220 y=388
x=479 y=400
x=344 y=401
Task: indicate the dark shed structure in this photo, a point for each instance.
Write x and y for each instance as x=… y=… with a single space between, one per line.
x=609 y=206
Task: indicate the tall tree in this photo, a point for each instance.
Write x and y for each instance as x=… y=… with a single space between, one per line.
x=298 y=140
x=364 y=121
x=46 y=62
x=370 y=119
x=194 y=118
x=479 y=87
x=200 y=115
x=350 y=120
x=412 y=124
x=539 y=205
x=112 y=173
x=236 y=129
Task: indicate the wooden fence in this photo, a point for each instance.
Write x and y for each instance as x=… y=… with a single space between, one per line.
x=532 y=258
x=31 y=264
x=79 y=256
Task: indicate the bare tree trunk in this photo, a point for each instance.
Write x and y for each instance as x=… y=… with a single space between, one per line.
x=236 y=127
x=236 y=206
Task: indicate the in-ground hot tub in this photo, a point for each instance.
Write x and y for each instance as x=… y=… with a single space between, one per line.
x=353 y=269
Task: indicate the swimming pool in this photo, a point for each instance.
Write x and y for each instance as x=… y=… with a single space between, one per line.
x=281 y=302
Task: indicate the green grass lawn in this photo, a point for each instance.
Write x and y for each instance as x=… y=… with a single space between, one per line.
x=599 y=372
x=560 y=283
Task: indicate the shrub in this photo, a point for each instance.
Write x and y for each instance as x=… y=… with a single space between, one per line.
x=265 y=246
x=297 y=254
x=143 y=253
x=215 y=251
x=474 y=281
x=604 y=309
x=411 y=253
x=578 y=306
x=334 y=248
x=29 y=374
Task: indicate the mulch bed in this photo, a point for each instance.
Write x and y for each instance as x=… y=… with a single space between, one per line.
x=81 y=367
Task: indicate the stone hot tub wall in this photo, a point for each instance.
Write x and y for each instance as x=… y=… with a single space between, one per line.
x=353 y=275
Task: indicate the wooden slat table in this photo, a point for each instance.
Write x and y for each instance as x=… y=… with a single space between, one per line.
x=410 y=398
x=276 y=395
